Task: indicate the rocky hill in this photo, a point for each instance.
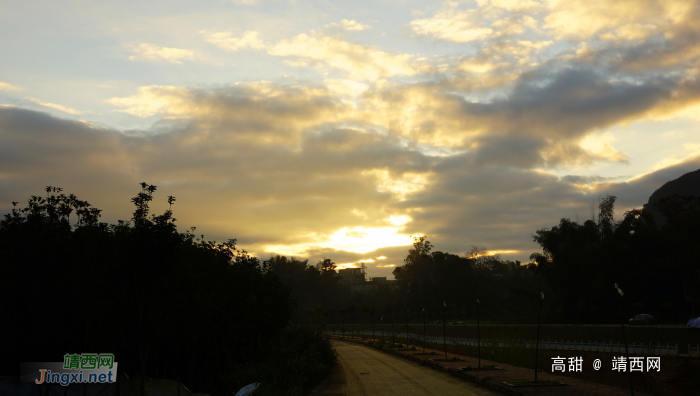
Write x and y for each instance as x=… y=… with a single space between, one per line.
x=688 y=184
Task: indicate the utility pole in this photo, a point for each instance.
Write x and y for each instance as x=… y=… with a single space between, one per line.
x=624 y=336
x=423 y=330
x=393 y=333
x=537 y=343
x=444 y=336
x=407 y=320
x=478 y=332
x=383 y=338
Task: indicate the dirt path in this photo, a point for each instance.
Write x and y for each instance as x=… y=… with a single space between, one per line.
x=365 y=371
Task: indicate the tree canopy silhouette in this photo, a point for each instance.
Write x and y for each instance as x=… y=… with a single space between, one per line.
x=165 y=303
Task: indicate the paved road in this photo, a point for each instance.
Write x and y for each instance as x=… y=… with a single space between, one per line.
x=366 y=371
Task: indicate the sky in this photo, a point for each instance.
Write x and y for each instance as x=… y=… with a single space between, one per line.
x=340 y=129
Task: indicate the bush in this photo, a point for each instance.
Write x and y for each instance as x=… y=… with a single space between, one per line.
x=301 y=360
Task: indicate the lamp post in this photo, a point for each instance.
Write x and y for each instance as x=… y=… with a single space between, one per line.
x=478 y=332
x=362 y=329
x=537 y=343
x=423 y=330
x=407 y=320
x=373 y=325
x=624 y=336
x=352 y=325
x=444 y=337
x=382 y=320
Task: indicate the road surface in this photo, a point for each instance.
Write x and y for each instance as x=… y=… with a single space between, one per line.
x=365 y=371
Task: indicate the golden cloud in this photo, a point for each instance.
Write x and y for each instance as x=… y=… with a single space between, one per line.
x=361 y=62
x=345 y=87
x=582 y=19
x=8 y=87
x=154 y=52
x=155 y=99
x=511 y=5
x=629 y=32
x=226 y=41
x=253 y=103
x=349 y=25
x=55 y=106
x=453 y=24
x=400 y=187
x=600 y=147
x=485 y=22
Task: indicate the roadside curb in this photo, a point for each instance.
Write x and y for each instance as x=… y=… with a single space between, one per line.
x=437 y=366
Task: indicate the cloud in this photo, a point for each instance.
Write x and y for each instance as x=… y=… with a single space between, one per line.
x=151 y=100
x=511 y=5
x=573 y=102
x=226 y=41
x=501 y=207
x=361 y=62
x=349 y=25
x=547 y=120
x=494 y=133
x=255 y=111
x=55 y=106
x=650 y=35
x=453 y=24
x=536 y=124
x=283 y=190
x=400 y=187
x=154 y=52
x=299 y=170
x=9 y=87
x=588 y=179
x=346 y=87
x=630 y=31
x=487 y=21
x=245 y=2
x=580 y=19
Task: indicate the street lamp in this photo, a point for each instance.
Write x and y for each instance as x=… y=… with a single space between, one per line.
x=624 y=336
x=382 y=320
x=537 y=343
x=478 y=332
x=407 y=320
x=423 y=330
x=444 y=337
x=393 y=333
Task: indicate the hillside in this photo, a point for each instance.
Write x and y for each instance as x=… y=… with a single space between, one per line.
x=688 y=184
